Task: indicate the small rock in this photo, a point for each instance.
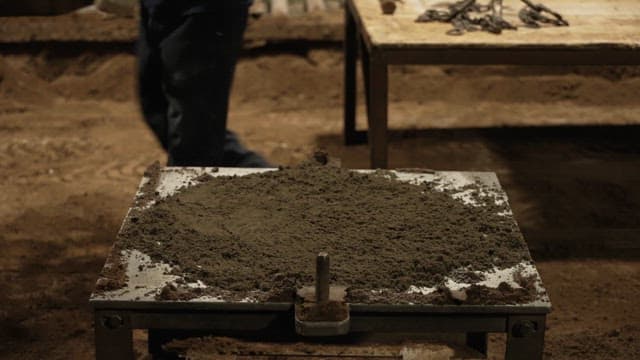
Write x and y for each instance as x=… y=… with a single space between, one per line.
x=459 y=295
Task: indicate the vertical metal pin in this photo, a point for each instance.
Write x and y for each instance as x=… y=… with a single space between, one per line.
x=322 y=278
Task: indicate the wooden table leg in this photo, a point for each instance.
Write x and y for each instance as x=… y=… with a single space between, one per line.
x=113 y=336
x=377 y=109
x=478 y=342
x=366 y=71
x=351 y=136
x=525 y=337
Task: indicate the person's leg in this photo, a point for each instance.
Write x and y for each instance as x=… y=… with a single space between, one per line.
x=198 y=59
x=235 y=154
x=153 y=103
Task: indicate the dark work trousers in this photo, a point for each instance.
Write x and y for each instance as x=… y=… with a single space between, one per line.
x=187 y=58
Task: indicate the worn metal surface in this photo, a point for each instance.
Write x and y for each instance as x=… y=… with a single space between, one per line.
x=146 y=278
x=135 y=306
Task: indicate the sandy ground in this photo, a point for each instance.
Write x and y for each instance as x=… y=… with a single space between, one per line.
x=73 y=148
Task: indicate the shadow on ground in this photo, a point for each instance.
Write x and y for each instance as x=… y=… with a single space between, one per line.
x=575 y=191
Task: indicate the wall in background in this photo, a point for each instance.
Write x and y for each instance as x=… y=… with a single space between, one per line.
x=40 y=7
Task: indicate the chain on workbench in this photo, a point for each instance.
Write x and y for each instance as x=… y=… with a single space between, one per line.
x=468 y=15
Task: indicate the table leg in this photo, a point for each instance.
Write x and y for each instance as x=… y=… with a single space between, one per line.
x=350 y=56
x=113 y=336
x=478 y=342
x=156 y=339
x=366 y=71
x=525 y=337
x=376 y=88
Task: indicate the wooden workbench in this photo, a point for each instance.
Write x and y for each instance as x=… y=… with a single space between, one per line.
x=601 y=32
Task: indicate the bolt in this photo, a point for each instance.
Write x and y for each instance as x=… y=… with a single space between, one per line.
x=322 y=278
x=524 y=328
x=112 y=321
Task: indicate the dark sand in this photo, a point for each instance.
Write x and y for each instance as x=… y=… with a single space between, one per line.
x=262 y=232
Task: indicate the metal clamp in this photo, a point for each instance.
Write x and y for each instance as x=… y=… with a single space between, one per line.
x=322 y=310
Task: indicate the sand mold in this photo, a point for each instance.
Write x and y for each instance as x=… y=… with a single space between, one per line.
x=255 y=236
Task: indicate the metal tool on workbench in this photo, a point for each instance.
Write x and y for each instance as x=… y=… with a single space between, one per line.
x=322 y=310
x=489 y=17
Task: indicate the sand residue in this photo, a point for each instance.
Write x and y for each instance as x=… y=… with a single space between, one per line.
x=262 y=232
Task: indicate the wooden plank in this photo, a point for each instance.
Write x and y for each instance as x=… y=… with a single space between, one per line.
x=322 y=26
x=279 y=7
x=118 y=7
x=594 y=24
x=315 y=5
x=334 y=4
x=259 y=8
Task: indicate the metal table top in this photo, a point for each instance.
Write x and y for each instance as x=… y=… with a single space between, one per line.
x=146 y=278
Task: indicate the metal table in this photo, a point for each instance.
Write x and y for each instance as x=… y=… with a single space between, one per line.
x=134 y=306
x=601 y=32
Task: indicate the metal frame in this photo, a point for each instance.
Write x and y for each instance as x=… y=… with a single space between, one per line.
x=119 y=312
x=113 y=328
x=376 y=59
x=166 y=320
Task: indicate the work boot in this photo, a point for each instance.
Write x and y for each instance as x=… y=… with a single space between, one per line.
x=236 y=155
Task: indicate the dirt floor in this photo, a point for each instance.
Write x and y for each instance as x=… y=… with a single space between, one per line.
x=73 y=148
